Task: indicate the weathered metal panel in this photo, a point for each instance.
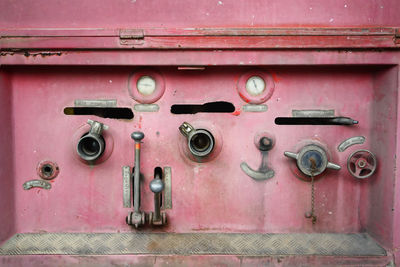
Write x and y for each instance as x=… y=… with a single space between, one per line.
x=333 y=55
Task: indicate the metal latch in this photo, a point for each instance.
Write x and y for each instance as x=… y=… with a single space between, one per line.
x=131 y=36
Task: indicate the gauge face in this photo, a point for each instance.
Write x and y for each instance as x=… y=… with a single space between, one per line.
x=255 y=85
x=146 y=85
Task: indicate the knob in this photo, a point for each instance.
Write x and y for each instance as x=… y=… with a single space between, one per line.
x=312 y=160
x=137 y=136
x=156 y=185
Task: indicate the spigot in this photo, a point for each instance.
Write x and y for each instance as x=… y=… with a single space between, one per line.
x=91 y=146
x=136 y=217
x=158 y=217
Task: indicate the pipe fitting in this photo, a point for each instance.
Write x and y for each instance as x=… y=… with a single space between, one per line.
x=200 y=141
x=92 y=145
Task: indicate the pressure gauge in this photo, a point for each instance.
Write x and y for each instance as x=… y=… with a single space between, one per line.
x=146 y=85
x=255 y=85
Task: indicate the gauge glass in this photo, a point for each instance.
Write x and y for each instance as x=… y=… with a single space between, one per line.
x=146 y=85
x=255 y=85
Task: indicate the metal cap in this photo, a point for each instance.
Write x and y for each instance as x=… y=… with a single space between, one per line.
x=137 y=136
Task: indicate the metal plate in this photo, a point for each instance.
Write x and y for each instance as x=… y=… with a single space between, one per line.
x=316 y=113
x=192 y=244
x=37 y=183
x=356 y=140
x=254 y=108
x=168 y=188
x=101 y=103
x=126 y=183
x=146 y=107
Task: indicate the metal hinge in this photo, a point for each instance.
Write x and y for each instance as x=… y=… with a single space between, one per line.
x=397 y=36
x=131 y=36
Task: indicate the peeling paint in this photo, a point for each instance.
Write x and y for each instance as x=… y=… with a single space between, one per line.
x=29 y=54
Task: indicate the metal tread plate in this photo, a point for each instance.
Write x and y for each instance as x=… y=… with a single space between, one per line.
x=325 y=244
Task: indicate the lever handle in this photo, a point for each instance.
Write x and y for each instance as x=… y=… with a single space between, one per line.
x=136 y=217
x=156 y=186
x=137 y=136
x=158 y=217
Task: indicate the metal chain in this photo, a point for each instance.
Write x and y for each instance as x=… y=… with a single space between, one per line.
x=313 y=167
x=313 y=216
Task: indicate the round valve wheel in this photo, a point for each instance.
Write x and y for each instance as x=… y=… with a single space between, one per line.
x=361 y=164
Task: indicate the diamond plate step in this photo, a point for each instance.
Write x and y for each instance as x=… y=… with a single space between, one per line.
x=192 y=244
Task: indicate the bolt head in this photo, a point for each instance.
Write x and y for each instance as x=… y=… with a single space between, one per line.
x=362 y=163
x=137 y=136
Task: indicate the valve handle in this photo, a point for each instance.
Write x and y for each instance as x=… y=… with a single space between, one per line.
x=312 y=160
x=362 y=164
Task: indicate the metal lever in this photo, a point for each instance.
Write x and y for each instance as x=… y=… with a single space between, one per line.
x=264 y=144
x=136 y=217
x=158 y=217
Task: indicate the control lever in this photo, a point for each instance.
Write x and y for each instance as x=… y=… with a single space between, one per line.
x=136 y=217
x=264 y=145
x=158 y=217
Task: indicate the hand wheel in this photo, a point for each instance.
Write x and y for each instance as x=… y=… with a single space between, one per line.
x=361 y=164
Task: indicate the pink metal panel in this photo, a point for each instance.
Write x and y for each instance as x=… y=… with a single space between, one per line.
x=215 y=13
x=200 y=187
x=47 y=62
x=200 y=38
x=7 y=204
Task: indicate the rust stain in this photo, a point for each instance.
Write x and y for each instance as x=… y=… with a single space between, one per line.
x=275 y=77
x=31 y=54
x=244 y=97
x=152 y=246
x=237 y=112
x=140 y=122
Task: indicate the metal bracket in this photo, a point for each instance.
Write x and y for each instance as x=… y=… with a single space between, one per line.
x=167 y=203
x=127 y=195
x=131 y=36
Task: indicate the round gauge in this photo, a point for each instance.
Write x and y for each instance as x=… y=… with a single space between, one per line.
x=146 y=85
x=255 y=85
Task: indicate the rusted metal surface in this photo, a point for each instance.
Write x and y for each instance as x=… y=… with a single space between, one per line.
x=211 y=38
